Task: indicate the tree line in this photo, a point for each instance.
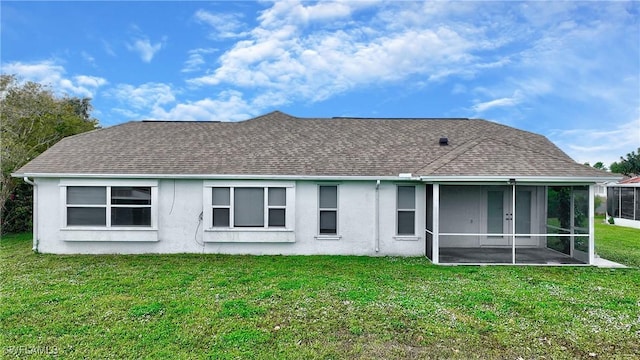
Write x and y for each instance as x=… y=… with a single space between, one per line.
x=629 y=165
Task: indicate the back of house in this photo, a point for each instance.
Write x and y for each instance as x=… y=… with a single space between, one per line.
x=454 y=190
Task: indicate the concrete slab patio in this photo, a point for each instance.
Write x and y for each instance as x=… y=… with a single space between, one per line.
x=524 y=256
x=604 y=263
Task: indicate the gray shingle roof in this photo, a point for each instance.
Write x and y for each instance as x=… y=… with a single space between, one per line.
x=279 y=144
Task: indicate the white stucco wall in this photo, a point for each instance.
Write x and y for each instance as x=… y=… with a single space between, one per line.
x=627 y=223
x=179 y=228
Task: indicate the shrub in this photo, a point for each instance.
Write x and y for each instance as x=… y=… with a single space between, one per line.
x=16 y=217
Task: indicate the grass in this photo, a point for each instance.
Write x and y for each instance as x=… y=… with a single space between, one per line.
x=618 y=243
x=265 y=307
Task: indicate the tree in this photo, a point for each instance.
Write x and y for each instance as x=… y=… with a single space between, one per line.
x=32 y=119
x=629 y=166
x=600 y=165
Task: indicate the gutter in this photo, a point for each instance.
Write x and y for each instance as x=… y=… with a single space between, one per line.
x=519 y=179
x=35 y=212
x=376 y=228
x=215 y=176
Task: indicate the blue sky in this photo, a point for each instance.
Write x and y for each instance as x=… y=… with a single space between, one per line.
x=567 y=70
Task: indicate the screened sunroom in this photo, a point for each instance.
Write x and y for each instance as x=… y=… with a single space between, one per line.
x=623 y=203
x=510 y=223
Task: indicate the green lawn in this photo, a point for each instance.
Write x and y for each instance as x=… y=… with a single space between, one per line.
x=617 y=243
x=215 y=306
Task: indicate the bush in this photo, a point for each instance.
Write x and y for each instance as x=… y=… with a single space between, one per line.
x=18 y=210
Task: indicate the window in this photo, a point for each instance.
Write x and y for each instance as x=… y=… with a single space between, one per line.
x=328 y=209
x=277 y=206
x=248 y=207
x=86 y=206
x=251 y=206
x=130 y=206
x=406 y=201
x=108 y=206
x=221 y=207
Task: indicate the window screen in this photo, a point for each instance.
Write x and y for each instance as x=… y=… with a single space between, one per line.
x=249 y=207
x=328 y=197
x=406 y=217
x=328 y=207
x=328 y=222
x=87 y=216
x=86 y=195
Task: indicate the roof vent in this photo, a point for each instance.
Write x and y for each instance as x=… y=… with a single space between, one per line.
x=444 y=141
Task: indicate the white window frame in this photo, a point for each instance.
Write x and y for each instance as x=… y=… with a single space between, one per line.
x=153 y=185
x=228 y=207
x=289 y=206
x=274 y=207
x=104 y=206
x=414 y=210
x=335 y=236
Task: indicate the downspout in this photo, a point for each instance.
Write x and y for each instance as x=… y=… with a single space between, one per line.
x=513 y=221
x=377 y=224
x=35 y=212
x=592 y=214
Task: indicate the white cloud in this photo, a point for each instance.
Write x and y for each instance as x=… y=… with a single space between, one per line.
x=44 y=72
x=127 y=114
x=224 y=26
x=570 y=57
x=88 y=58
x=605 y=144
x=108 y=48
x=514 y=100
x=144 y=97
x=299 y=52
x=145 y=48
x=312 y=52
x=458 y=89
x=196 y=59
x=90 y=81
x=284 y=13
x=158 y=101
x=504 y=59
x=50 y=73
x=228 y=106
x=314 y=66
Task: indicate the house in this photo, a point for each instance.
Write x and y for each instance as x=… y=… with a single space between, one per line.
x=600 y=193
x=454 y=190
x=623 y=202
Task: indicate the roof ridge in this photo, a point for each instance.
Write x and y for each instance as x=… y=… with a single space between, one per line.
x=529 y=132
x=92 y=131
x=268 y=115
x=394 y=118
x=443 y=161
x=180 y=121
x=450 y=156
x=535 y=151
